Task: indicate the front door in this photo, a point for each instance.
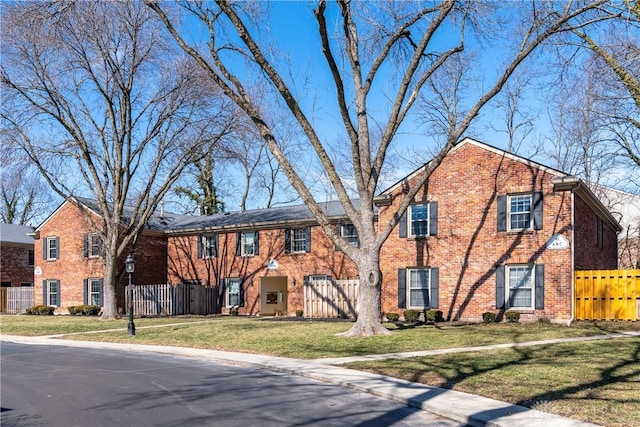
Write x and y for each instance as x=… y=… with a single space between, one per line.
x=273 y=296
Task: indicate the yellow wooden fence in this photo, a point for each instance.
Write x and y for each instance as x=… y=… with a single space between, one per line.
x=607 y=295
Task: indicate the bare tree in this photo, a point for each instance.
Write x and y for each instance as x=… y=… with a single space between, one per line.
x=104 y=108
x=24 y=197
x=369 y=49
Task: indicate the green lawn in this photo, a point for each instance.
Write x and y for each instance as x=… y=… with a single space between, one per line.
x=592 y=381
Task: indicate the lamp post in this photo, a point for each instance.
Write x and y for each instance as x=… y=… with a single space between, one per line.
x=130 y=267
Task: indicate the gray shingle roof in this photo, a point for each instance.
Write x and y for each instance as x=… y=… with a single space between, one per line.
x=12 y=233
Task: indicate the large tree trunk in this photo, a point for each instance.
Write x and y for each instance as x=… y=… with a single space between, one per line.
x=369 y=320
x=110 y=282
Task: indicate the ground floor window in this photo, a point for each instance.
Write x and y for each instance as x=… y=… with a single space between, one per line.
x=520 y=286
x=52 y=292
x=418 y=289
x=233 y=292
x=94 y=291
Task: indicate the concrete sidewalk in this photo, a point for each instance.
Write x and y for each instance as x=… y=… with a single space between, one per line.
x=458 y=406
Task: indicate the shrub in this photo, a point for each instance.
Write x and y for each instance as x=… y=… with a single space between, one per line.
x=40 y=310
x=433 y=316
x=489 y=317
x=392 y=317
x=91 y=310
x=234 y=312
x=411 y=315
x=299 y=313
x=512 y=316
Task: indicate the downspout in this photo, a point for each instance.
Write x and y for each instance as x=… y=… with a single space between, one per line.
x=573 y=259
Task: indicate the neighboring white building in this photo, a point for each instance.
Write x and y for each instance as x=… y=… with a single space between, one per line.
x=625 y=207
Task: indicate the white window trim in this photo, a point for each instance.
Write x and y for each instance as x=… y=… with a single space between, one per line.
x=302 y=241
x=408 y=288
x=509 y=213
x=410 y=220
x=353 y=239
x=205 y=246
x=228 y=282
x=243 y=244
x=507 y=286
x=49 y=293
x=49 y=240
x=90 y=244
x=91 y=281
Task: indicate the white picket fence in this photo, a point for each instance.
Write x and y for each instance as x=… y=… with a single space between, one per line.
x=328 y=298
x=16 y=300
x=173 y=300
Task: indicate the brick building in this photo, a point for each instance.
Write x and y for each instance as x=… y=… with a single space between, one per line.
x=16 y=255
x=490 y=231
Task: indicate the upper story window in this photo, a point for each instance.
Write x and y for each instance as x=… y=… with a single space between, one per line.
x=350 y=234
x=247 y=243
x=92 y=245
x=520 y=212
x=31 y=258
x=51 y=248
x=420 y=220
x=297 y=240
x=208 y=246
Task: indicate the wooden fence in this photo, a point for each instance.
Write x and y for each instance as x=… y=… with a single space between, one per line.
x=173 y=300
x=16 y=300
x=327 y=298
x=607 y=295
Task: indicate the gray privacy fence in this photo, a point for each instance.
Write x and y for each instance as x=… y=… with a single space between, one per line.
x=331 y=298
x=16 y=300
x=173 y=300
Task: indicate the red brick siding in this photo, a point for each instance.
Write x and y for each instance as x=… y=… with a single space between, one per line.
x=183 y=264
x=72 y=267
x=14 y=264
x=468 y=246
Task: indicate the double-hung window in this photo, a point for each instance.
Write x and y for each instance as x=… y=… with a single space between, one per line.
x=418 y=290
x=52 y=292
x=419 y=220
x=520 y=212
x=520 y=286
x=233 y=292
x=248 y=240
x=297 y=240
x=51 y=248
x=93 y=245
x=350 y=234
x=94 y=291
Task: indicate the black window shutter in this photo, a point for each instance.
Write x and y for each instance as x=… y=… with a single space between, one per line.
x=58 y=248
x=402 y=288
x=433 y=218
x=537 y=211
x=434 y=295
x=85 y=291
x=238 y=243
x=307 y=242
x=44 y=293
x=502 y=213
x=500 y=287
x=256 y=243
x=305 y=280
x=86 y=246
x=287 y=240
x=199 y=250
x=539 y=286
x=101 y=297
x=45 y=255
x=402 y=225
x=242 y=293
x=59 y=293
x=215 y=245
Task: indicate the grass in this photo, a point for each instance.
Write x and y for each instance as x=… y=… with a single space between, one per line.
x=591 y=381
x=597 y=382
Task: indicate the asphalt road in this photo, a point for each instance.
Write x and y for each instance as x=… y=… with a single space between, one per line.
x=64 y=386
